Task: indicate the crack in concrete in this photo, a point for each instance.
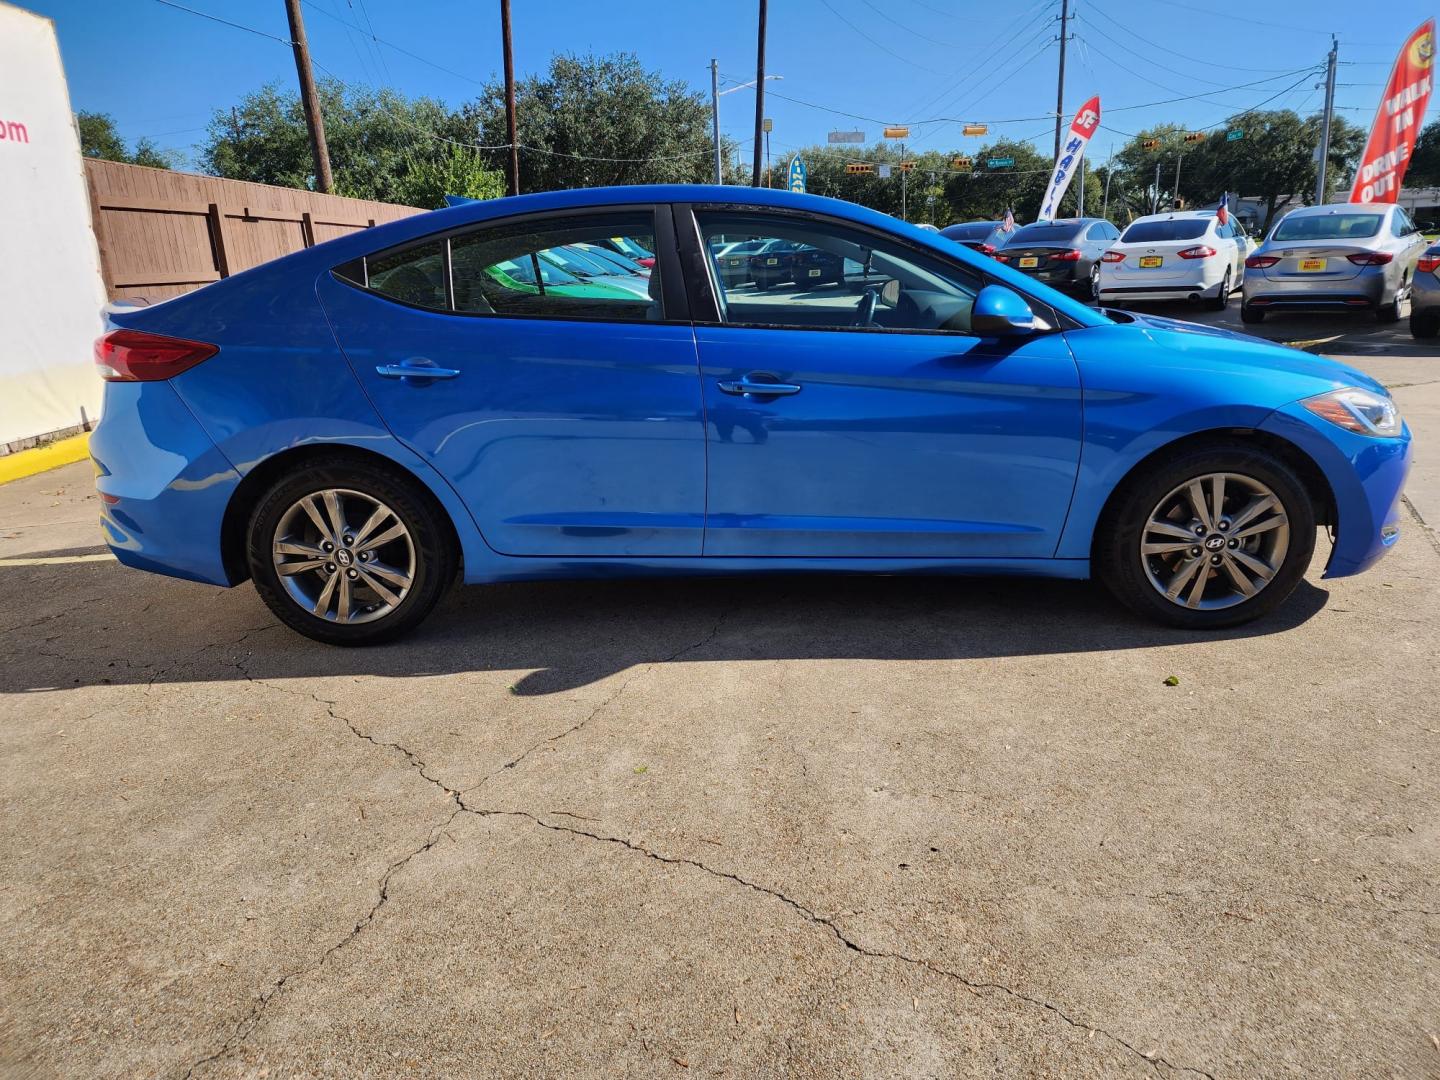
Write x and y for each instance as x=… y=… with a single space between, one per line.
x=1425 y=528
x=827 y=922
x=611 y=699
x=257 y=1011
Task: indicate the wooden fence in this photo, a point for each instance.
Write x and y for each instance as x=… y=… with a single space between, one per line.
x=163 y=233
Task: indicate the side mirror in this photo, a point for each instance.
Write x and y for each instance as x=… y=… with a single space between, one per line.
x=1001 y=312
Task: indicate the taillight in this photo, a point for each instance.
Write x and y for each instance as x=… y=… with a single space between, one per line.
x=1428 y=263
x=987 y=249
x=1113 y=257
x=1066 y=256
x=135 y=356
x=1261 y=262
x=648 y=262
x=1002 y=258
x=1199 y=251
x=1371 y=258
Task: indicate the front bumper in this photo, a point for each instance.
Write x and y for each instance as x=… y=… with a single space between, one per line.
x=163 y=484
x=1367 y=477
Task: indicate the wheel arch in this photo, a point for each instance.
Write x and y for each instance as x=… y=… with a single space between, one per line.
x=1317 y=487
x=267 y=472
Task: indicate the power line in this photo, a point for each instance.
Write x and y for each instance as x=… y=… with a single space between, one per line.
x=226 y=22
x=878 y=45
x=1023 y=22
x=1183 y=56
x=391 y=45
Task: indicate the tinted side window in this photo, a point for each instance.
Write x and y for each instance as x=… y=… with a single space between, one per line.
x=1400 y=224
x=415 y=275
x=540 y=269
x=828 y=275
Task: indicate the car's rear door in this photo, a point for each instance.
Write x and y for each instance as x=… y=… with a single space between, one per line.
x=566 y=412
x=905 y=436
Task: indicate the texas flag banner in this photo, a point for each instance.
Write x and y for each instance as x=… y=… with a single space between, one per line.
x=1397 y=121
x=1071 y=151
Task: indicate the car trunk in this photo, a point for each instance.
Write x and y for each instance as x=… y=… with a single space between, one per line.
x=1313 y=260
x=1156 y=264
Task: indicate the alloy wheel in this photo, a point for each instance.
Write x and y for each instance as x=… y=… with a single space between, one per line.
x=1215 y=541
x=344 y=556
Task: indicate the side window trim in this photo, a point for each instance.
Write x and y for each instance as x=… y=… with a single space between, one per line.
x=704 y=306
x=674 y=306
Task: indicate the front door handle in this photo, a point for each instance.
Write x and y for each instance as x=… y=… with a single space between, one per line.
x=416 y=370
x=759 y=385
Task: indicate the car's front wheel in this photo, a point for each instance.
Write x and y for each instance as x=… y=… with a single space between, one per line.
x=349 y=552
x=1214 y=537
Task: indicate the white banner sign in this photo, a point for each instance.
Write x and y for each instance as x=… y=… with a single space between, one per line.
x=1071 y=151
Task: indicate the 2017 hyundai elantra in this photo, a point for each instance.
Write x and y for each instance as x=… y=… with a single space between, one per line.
x=350 y=425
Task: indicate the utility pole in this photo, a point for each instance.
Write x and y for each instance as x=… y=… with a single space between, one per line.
x=767 y=157
x=1179 y=158
x=715 y=114
x=309 y=100
x=1320 y=177
x=904 y=185
x=513 y=180
x=1080 y=199
x=759 y=95
x=1155 y=200
x=1060 y=83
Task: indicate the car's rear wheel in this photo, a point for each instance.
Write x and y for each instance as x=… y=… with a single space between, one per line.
x=1214 y=537
x=1250 y=314
x=1222 y=298
x=1391 y=312
x=1424 y=324
x=1093 y=292
x=348 y=552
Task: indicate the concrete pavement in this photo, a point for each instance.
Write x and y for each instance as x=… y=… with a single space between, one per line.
x=809 y=827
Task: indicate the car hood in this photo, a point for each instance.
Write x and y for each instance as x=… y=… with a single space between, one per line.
x=1214 y=352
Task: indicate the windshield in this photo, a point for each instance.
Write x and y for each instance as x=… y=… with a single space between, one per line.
x=1042 y=233
x=1329 y=226
x=1150 y=232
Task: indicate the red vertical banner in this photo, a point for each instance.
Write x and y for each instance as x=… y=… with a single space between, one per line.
x=1397 y=121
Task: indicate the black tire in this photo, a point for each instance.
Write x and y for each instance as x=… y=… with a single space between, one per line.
x=1117 y=557
x=1222 y=298
x=1424 y=324
x=1092 y=294
x=435 y=555
x=1251 y=315
x=1391 y=312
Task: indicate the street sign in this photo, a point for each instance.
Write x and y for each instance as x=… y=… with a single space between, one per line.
x=767 y=125
x=797 y=175
x=884 y=172
x=960 y=163
x=1234 y=134
x=897 y=133
x=847 y=137
x=1000 y=163
x=854 y=167
x=975 y=129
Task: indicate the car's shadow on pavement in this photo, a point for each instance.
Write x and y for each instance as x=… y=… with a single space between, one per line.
x=561 y=635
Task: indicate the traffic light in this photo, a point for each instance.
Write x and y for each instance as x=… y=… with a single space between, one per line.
x=906 y=166
x=1195 y=136
x=1149 y=144
x=962 y=163
x=853 y=168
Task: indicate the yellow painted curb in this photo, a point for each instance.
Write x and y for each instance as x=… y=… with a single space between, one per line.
x=44 y=458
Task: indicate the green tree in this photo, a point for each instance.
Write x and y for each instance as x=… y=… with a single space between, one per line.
x=984 y=193
x=1424 y=170
x=374 y=138
x=456 y=170
x=99 y=139
x=598 y=120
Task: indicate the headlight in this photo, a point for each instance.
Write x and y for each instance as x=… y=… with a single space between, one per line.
x=1357 y=410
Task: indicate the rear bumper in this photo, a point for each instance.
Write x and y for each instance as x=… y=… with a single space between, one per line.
x=1366 y=476
x=1364 y=290
x=163 y=484
x=1178 y=291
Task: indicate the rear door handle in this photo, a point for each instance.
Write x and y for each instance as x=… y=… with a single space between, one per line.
x=759 y=386
x=418 y=370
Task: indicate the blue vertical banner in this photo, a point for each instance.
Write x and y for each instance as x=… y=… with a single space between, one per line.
x=797 y=175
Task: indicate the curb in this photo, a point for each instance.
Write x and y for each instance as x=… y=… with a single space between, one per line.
x=43 y=458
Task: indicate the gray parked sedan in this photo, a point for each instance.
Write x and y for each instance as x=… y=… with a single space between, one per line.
x=1064 y=254
x=1336 y=257
x=1425 y=295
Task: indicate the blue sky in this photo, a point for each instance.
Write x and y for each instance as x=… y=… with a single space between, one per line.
x=161 y=71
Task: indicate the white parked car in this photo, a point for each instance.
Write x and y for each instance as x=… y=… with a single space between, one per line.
x=1185 y=255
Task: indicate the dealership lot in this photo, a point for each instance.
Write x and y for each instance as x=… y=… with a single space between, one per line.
x=806 y=827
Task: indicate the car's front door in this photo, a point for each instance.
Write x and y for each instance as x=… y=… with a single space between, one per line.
x=566 y=411
x=891 y=430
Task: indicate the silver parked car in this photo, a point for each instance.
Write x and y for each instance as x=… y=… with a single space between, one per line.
x=1335 y=257
x=1425 y=295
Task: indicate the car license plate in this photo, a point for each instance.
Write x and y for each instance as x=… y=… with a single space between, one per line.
x=1312 y=266
x=732 y=262
x=1149 y=262
x=772 y=262
x=1029 y=262
x=815 y=273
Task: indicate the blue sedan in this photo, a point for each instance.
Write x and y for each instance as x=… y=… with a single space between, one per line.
x=353 y=425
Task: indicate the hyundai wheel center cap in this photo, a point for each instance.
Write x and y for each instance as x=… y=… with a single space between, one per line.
x=1214 y=543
